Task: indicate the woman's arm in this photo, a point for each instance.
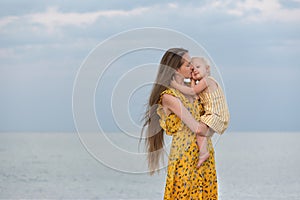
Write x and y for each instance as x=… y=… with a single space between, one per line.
x=176 y=106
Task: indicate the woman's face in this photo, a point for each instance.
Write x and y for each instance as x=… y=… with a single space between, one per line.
x=186 y=68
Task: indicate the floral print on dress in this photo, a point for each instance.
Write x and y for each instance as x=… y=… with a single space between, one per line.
x=184 y=180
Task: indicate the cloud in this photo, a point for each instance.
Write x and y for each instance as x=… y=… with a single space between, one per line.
x=249 y=10
x=7 y=53
x=261 y=11
x=254 y=11
x=7 y=20
x=53 y=18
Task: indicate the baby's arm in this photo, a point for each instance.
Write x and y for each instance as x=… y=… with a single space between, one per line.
x=193 y=83
x=202 y=84
x=184 y=89
x=196 y=89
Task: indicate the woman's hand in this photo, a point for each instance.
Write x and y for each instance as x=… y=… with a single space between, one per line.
x=204 y=130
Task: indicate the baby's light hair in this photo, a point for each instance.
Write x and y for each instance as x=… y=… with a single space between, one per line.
x=205 y=60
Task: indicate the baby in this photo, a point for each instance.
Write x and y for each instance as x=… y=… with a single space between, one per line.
x=216 y=115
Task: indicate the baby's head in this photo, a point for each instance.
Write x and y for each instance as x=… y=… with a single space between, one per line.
x=201 y=67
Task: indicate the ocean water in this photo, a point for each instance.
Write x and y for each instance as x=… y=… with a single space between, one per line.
x=58 y=166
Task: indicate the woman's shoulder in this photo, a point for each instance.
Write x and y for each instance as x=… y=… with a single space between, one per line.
x=173 y=92
x=170 y=91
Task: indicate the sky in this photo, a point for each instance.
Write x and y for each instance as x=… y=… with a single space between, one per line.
x=255 y=45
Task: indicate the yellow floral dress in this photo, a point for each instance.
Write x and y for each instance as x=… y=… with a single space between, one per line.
x=184 y=180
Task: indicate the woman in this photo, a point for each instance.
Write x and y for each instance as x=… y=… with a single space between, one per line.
x=178 y=115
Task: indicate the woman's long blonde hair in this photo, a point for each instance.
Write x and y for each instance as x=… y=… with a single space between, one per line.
x=170 y=62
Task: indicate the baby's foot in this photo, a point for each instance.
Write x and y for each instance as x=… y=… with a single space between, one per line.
x=202 y=158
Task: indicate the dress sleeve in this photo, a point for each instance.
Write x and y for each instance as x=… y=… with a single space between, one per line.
x=171 y=123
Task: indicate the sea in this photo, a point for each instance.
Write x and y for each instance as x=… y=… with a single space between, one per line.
x=250 y=166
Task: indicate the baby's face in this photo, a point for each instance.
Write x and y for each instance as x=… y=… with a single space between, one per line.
x=200 y=69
